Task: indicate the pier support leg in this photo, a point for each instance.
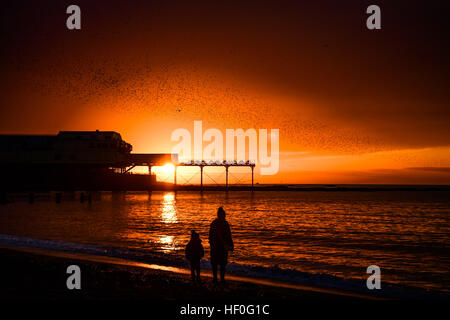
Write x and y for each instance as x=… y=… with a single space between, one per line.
x=253 y=169
x=151 y=178
x=201 y=178
x=226 y=174
x=175 y=178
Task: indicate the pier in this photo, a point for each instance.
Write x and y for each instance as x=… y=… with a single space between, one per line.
x=161 y=159
x=90 y=161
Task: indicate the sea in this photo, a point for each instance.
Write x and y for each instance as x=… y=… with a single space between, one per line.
x=320 y=238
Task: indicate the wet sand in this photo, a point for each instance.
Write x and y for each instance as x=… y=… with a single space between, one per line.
x=30 y=273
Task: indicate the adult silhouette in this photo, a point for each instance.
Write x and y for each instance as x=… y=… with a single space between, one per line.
x=220 y=242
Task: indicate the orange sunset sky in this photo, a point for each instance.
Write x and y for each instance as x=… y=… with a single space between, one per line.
x=352 y=105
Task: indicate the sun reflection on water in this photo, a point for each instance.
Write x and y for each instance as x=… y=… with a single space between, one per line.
x=168 y=208
x=167 y=243
x=168 y=216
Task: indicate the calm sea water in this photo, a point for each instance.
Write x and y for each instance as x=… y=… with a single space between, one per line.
x=335 y=233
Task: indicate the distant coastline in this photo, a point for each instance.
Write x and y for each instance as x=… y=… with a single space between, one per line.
x=162 y=186
x=311 y=187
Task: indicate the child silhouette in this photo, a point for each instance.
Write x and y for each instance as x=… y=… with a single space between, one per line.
x=194 y=253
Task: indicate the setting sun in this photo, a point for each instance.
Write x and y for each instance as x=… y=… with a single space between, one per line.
x=167 y=169
x=164 y=173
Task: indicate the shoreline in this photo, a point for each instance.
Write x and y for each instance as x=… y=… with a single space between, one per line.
x=44 y=277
